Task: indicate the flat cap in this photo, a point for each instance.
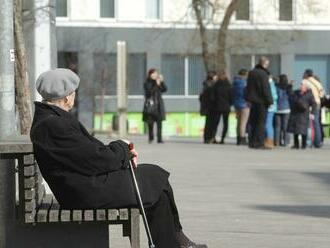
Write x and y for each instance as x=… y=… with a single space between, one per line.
x=56 y=84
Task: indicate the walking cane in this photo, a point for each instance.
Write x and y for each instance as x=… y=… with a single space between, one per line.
x=144 y=217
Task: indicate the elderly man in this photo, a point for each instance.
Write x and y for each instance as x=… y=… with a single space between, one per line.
x=84 y=173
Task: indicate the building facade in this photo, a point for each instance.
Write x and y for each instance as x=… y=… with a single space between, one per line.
x=163 y=34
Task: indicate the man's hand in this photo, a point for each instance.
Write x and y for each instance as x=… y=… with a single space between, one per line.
x=133 y=152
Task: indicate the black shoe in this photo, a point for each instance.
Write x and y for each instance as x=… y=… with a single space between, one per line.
x=185 y=242
x=243 y=141
x=294 y=147
x=160 y=142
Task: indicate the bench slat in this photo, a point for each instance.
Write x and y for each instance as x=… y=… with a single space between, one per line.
x=54 y=212
x=28 y=159
x=88 y=215
x=113 y=214
x=42 y=214
x=123 y=214
x=101 y=215
x=65 y=215
x=29 y=171
x=30 y=194
x=77 y=215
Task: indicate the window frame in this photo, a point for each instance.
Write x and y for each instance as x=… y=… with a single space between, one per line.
x=107 y=19
x=161 y=11
x=250 y=14
x=294 y=14
x=68 y=12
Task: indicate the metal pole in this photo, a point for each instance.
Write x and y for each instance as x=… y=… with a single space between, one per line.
x=7 y=117
x=122 y=88
x=7 y=57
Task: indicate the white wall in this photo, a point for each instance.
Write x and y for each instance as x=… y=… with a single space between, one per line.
x=263 y=12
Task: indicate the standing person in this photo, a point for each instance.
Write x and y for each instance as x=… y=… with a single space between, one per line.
x=206 y=99
x=300 y=102
x=241 y=106
x=222 y=103
x=269 y=125
x=258 y=94
x=283 y=89
x=153 y=89
x=318 y=92
x=84 y=173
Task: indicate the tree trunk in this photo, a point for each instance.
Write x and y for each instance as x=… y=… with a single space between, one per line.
x=23 y=99
x=222 y=36
x=197 y=6
x=215 y=61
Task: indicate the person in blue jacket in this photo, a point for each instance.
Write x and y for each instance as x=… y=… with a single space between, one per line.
x=284 y=89
x=241 y=106
x=269 y=126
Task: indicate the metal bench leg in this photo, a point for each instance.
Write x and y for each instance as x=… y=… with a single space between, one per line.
x=134 y=235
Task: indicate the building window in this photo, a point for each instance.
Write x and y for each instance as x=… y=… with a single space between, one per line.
x=173 y=70
x=206 y=11
x=105 y=73
x=248 y=62
x=243 y=10
x=153 y=9
x=136 y=73
x=286 y=10
x=196 y=74
x=61 y=8
x=107 y=8
x=238 y=62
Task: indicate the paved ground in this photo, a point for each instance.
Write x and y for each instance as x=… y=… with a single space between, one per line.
x=233 y=197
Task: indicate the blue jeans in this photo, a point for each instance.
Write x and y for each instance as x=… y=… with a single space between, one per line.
x=269 y=126
x=317 y=128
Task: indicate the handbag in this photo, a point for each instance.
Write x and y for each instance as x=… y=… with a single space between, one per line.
x=150 y=107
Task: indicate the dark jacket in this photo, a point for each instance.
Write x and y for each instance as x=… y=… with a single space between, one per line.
x=258 y=88
x=283 y=93
x=206 y=97
x=300 y=109
x=81 y=171
x=154 y=92
x=222 y=96
x=238 y=92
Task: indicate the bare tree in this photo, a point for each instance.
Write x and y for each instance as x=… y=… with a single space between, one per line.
x=214 y=59
x=23 y=99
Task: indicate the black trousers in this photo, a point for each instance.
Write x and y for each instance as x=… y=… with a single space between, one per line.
x=212 y=122
x=151 y=130
x=303 y=141
x=257 y=125
x=163 y=219
x=208 y=132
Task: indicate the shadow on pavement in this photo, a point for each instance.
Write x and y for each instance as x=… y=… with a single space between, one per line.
x=308 y=210
x=324 y=177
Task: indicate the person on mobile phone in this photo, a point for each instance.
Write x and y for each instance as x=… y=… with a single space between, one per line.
x=154 y=108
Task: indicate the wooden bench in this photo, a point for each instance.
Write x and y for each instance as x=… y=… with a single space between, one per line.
x=36 y=207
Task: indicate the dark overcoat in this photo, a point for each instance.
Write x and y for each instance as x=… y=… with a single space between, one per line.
x=222 y=96
x=154 y=92
x=300 y=105
x=84 y=173
x=206 y=97
x=258 y=87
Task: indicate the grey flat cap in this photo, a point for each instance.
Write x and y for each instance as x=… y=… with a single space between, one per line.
x=56 y=84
